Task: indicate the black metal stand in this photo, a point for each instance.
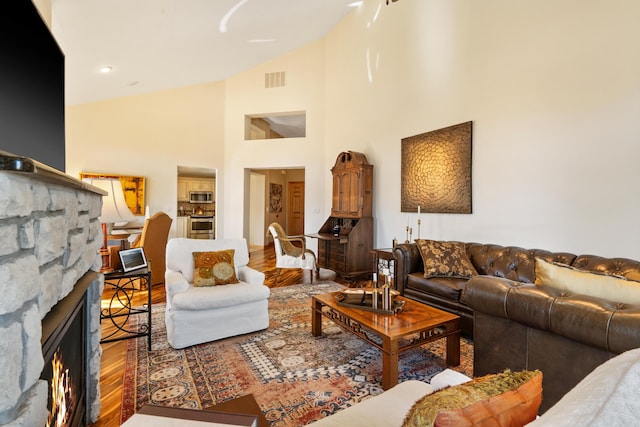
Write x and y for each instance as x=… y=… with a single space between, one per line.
x=120 y=307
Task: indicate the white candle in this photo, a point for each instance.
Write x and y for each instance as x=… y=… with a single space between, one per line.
x=418 y=209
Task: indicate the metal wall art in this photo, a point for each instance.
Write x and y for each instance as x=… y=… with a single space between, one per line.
x=436 y=171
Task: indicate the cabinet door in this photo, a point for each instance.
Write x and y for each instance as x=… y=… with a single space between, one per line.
x=347 y=193
x=201 y=185
x=337 y=195
x=353 y=197
x=181 y=226
x=342 y=187
x=196 y=185
x=183 y=191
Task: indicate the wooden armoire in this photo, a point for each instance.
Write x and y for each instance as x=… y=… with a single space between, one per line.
x=345 y=240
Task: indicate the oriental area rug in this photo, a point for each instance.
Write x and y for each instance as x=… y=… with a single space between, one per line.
x=295 y=378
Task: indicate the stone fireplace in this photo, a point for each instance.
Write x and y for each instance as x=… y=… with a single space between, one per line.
x=49 y=238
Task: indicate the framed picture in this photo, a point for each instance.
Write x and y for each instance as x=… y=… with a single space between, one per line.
x=132 y=187
x=275 y=197
x=436 y=171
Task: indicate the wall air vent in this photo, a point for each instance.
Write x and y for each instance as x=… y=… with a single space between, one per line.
x=274 y=79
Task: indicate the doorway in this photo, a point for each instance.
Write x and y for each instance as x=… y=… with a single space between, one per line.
x=195 y=180
x=287 y=186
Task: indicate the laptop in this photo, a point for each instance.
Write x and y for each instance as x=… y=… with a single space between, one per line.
x=132 y=259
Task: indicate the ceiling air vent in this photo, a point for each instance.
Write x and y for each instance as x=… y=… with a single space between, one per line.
x=274 y=79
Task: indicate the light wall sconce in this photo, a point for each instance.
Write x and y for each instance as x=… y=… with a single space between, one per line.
x=436 y=171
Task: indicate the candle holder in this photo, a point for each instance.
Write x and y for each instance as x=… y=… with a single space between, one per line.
x=410 y=233
x=407 y=241
x=418 y=228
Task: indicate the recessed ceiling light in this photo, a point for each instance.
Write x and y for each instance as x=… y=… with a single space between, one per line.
x=106 y=69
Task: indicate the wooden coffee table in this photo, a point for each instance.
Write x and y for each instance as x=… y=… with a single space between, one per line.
x=416 y=325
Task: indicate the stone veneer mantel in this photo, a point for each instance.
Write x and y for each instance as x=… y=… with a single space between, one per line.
x=49 y=240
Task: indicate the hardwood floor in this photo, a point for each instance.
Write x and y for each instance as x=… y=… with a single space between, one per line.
x=114 y=354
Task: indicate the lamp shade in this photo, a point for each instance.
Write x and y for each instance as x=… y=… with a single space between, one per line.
x=114 y=207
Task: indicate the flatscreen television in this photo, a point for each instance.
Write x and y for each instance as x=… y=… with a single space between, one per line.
x=31 y=86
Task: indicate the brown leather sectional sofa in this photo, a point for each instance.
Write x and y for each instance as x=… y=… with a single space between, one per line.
x=445 y=293
x=518 y=325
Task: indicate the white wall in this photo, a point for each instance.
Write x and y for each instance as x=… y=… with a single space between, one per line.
x=552 y=87
x=304 y=91
x=150 y=135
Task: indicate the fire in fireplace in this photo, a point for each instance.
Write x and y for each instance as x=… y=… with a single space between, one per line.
x=65 y=362
x=62 y=399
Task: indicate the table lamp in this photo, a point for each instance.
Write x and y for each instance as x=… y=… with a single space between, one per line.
x=114 y=209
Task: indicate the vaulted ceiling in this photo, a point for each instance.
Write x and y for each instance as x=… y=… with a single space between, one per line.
x=152 y=45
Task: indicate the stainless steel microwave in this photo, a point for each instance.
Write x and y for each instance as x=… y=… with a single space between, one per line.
x=200 y=197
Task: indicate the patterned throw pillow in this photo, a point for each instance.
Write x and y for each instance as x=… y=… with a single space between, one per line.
x=504 y=399
x=214 y=268
x=445 y=259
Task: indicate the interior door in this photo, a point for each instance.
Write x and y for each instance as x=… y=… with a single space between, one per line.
x=295 y=208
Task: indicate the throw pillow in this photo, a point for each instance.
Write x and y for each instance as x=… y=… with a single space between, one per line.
x=214 y=268
x=598 y=285
x=504 y=399
x=445 y=259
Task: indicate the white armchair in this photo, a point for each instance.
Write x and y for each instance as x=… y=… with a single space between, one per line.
x=200 y=314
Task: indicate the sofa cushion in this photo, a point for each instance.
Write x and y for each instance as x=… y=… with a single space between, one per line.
x=205 y=298
x=445 y=287
x=445 y=259
x=503 y=399
x=214 y=268
x=569 y=279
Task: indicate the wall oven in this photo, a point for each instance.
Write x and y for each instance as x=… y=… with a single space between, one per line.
x=201 y=227
x=200 y=196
